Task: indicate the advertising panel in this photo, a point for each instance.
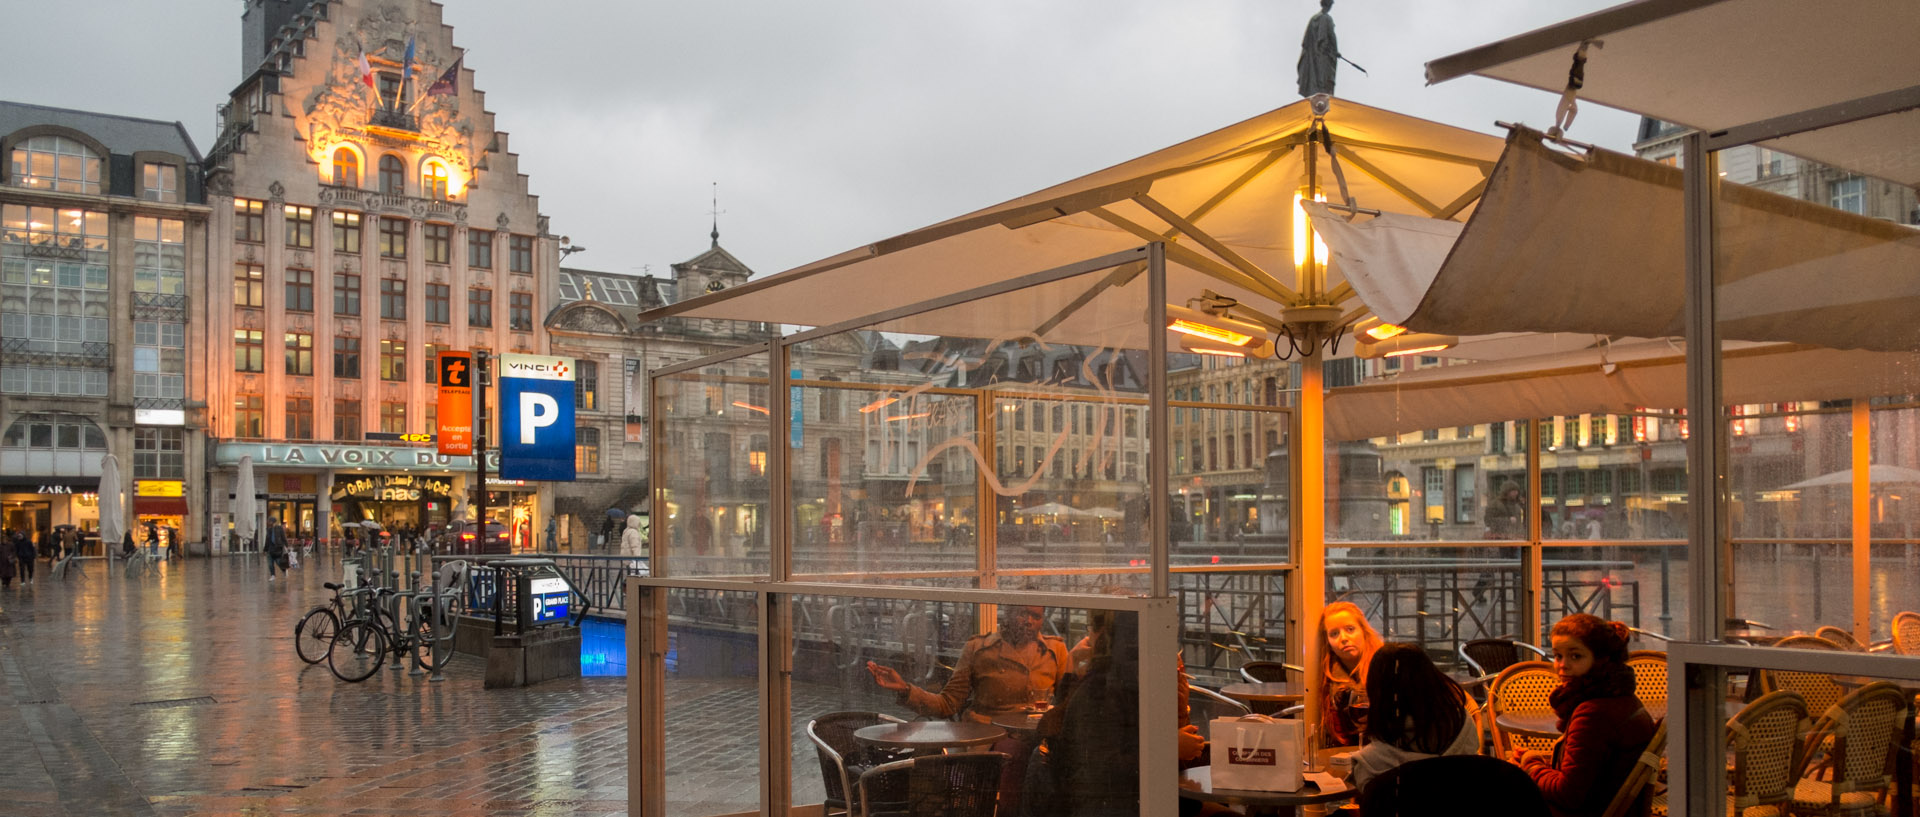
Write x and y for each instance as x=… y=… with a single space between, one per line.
x=536 y=417
x=454 y=417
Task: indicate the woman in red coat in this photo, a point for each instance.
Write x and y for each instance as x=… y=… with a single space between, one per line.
x=1604 y=728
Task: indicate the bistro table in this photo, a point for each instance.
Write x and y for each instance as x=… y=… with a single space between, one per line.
x=1022 y=725
x=1267 y=697
x=1547 y=724
x=1197 y=784
x=929 y=736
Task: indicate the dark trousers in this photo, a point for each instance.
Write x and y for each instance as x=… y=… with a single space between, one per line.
x=26 y=569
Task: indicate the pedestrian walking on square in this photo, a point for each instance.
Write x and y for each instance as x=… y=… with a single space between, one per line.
x=6 y=562
x=276 y=549
x=153 y=540
x=24 y=553
x=173 y=542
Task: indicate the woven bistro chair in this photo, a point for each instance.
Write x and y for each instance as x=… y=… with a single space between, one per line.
x=1844 y=639
x=1906 y=633
x=843 y=759
x=1521 y=689
x=1763 y=744
x=1650 y=679
x=1644 y=769
x=1817 y=688
x=1858 y=737
x=1488 y=656
x=960 y=785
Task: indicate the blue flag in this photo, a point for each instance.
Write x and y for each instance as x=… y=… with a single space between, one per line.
x=406 y=70
x=449 y=82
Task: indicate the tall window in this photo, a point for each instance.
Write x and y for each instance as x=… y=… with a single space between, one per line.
x=299 y=418
x=159 y=182
x=346 y=419
x=439 y=303
x=586 y=450
x=431 y=354
x=586 y=385
x=393 y=360
x=393 y=237
x=393 y=299
x=520 y=311
x=393 y=176
x=1849 y=194
x=56 y=163
x=300 y=353
x=249 y=350
x=346 y=293
x=346 y=232
x=520 y=253
x=249 y=415
x=346 y=167
x=249 y=285
x=159 y=255
x=393 y=417
x=55 y=299
x=433 y=180
x=299 y=290
x=160 y=360
x=480 y=307
x=249 y=220
x=480 y=249
x=439 y=238
x=346 y=357
x=299 y=226
x=159 y=453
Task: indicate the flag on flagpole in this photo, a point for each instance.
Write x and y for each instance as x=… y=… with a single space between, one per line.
x=366 y=71
x=406 y=68
x=449 y=82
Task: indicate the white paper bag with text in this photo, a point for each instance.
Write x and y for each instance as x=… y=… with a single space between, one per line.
x=1257 y=753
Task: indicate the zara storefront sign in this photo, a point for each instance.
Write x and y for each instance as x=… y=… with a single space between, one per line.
x=345 y=456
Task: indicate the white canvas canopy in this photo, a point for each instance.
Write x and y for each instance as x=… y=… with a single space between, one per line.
x=1724 y=64
x=1877 y=474
x=1224 y=202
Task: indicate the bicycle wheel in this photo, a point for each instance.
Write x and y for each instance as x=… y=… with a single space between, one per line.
x=430 y=653
x=313 y=636
x=357 y=652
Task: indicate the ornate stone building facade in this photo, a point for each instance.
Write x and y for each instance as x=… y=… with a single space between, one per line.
x=366 y=215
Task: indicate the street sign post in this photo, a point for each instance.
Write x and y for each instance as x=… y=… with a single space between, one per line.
x=536 y=417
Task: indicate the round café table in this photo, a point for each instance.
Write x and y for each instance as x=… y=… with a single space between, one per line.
x=1197 y=784
x=1547 y=725
x=1024 y=725
x=1266 y=698
x=929 y=736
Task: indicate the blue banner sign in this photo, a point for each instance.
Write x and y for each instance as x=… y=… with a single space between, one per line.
x=536 y=417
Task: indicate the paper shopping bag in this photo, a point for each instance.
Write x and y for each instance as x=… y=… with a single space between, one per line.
x=1257 y=753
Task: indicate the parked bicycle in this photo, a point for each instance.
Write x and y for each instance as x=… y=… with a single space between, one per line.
x=363 y=644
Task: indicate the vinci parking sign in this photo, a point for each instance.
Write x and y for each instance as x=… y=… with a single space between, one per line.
x=536 y=417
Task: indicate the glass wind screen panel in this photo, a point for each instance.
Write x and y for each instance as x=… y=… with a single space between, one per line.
x=1894 y=509
x=1641 y=585
x=873 y=663
x=712 y=697
x=1437 y=597
x=1230 y=617
x=1791 y=588
x=1790 y=472
x=1040 y=391
x=1229 y=485
x=712 y=445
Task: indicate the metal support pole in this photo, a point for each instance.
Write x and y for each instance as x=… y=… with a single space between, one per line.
x=1533 y=561
x=482 y=379
x=1159 y=504
x=1701 y=729
x=1862 y=520
x=1310 y=537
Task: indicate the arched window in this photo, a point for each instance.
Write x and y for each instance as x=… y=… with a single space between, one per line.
x=393 y=176
x=56 y=163
x=433 y=180
x=346 y=167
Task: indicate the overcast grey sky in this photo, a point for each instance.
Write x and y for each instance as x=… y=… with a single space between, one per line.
x=827 y=125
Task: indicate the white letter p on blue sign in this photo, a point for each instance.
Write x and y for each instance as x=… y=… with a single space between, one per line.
x=536 y=411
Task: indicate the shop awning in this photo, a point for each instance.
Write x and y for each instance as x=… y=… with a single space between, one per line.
x=159 y=506
x=1224 y=202
x=1592 y=244
x=1723 y=64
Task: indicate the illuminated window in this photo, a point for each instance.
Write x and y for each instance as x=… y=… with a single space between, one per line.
x=346 y=167
x=160 y=182
x=249 y=220
x=393 y=360
x=346 y=232
x=249 y=350
x=431 y=354
x=249 y=416
x=439 y=242
x=393 y=176
x=159 y=255
x=433 y=180
x=299 y=226
x=393 y=237
x=249 y=285
x=586 y=452
x=56 y=163
x=393 y=417
x=586 y=385
x=299 y=353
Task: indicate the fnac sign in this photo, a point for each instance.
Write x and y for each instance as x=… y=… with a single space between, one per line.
x=536 y=417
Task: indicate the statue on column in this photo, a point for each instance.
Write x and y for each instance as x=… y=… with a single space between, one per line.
x=1319 y=59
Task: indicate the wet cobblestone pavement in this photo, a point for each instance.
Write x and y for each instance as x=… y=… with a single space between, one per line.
x=180 y=694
